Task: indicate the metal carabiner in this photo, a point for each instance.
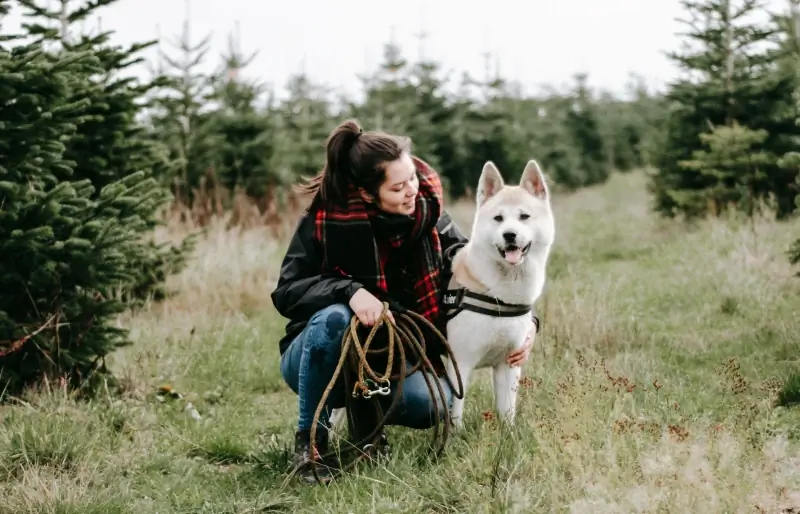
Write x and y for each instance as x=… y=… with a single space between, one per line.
x=373 y=390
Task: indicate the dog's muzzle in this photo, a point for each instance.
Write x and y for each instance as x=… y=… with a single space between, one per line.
x=513 y=254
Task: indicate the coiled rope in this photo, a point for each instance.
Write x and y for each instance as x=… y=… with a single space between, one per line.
x=404 y=338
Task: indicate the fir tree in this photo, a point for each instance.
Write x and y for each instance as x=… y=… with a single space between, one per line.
x=582 y=125
x=245 y=139
x=389 y=98
x=65 y=247
x=178 y=116
x=791 y=160
x=432 y=117
x=732 y=78
x=731 y=153
x=110 y=143
x=303 y=122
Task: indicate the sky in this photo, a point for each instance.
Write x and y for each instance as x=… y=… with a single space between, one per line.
x=537 y=42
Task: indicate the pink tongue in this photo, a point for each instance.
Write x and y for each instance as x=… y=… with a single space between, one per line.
x=513 y=256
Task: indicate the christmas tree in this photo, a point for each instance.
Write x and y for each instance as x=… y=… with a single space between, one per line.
x=73 y=228
x=732 y=78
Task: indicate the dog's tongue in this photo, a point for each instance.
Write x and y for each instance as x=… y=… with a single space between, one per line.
x=513 y=256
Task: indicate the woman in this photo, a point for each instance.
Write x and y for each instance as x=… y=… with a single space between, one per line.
x=375 y=230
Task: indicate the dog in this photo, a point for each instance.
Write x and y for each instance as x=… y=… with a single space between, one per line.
x=503 y=263
x=497 y=277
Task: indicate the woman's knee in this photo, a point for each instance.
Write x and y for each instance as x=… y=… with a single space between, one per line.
x=422 y=407
x=328 y=325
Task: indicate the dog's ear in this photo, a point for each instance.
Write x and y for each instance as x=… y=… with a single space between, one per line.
x=533 y=181
x=490 y=182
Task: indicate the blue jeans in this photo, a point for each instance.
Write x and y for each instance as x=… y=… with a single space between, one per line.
x=308 y=364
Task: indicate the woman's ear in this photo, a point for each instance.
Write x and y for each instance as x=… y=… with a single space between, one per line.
x=366 y=196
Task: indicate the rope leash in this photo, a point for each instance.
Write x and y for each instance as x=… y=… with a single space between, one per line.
x=404 y=335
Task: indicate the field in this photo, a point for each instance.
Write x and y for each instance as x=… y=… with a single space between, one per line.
x=651 y=389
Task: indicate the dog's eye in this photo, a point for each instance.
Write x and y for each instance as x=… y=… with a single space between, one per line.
x=524 y=216
x=498 y=218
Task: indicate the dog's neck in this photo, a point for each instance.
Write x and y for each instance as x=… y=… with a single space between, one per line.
x=520 y=285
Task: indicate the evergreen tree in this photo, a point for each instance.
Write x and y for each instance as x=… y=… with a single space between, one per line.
x=179 y=116
x=731 y=152
x=733 y=78
x=389 y=97
x=303 y=122
x=582 y=124
x=110 y=143
x=67 y=247
x=432 y=118
x=245 y=139
x=553 y=146
x=791 y=160
x=485 y=129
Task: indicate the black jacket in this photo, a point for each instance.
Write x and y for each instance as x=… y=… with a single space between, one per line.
x=302 y=290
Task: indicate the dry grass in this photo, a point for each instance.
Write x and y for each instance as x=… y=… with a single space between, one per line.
x=651 y=389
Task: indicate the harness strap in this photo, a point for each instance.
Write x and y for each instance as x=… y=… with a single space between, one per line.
x=458 y=298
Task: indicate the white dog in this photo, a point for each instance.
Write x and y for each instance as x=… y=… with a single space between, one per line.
x=497 y=277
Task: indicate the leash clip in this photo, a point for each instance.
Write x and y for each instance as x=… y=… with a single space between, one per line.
x=372 y=390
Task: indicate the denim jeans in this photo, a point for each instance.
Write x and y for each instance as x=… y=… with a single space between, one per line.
x=309 y=362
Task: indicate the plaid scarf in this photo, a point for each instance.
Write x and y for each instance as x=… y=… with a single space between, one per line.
x=350 y=247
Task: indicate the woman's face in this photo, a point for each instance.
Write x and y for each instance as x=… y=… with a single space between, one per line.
x=398 y=193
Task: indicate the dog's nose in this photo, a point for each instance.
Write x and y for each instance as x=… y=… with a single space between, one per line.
x=509 y=237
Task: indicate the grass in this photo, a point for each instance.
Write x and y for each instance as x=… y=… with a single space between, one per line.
x=652 y=389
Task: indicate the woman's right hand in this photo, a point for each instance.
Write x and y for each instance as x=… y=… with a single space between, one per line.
x=367 y=307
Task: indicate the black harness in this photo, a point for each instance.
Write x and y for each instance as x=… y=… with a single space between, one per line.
x=458 y=298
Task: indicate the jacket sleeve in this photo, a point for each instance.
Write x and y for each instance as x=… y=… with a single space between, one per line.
x=302 y=289
x=451 y=237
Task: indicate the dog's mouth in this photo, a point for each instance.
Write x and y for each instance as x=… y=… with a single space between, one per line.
x=513 y=254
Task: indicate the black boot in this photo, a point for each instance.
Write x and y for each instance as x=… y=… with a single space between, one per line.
x=305 y=457
x=362 y=418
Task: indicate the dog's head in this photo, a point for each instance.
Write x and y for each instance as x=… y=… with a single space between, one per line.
x=513 y=221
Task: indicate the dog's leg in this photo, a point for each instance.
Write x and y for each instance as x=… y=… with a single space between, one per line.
x=457 y=410
x=506 y=384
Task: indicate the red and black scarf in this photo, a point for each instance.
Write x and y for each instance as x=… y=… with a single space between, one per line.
x=350 y=247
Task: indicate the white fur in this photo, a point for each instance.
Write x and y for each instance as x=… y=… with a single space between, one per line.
x=479 y=340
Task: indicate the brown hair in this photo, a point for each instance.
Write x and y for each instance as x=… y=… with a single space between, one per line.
x=353 y=156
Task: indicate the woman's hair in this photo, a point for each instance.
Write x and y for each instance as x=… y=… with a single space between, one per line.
x=355 y=157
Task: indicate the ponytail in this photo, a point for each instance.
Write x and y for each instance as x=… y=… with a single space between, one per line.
x=331 y=183
x=353 y=158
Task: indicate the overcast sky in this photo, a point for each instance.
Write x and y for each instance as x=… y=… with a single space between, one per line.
x=536 y=41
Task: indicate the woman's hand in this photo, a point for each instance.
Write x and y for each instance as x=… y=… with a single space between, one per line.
x=367 y=308
x=518 y=357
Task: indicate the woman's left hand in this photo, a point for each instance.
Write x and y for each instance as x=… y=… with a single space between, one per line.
x=518 y=357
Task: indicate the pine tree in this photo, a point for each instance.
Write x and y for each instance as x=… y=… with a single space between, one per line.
x=552 y=142
x=177 y=116
x=791 y=160
x=389 y=98
x=432 y=118
x=245 y=139
x=110 y=143
x=303 y=122
x=732 y=78
x=583 y=126
x=65 y=247
x=731 y=153
x=486 y=129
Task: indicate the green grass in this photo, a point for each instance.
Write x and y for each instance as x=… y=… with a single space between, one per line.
x=652 y=388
